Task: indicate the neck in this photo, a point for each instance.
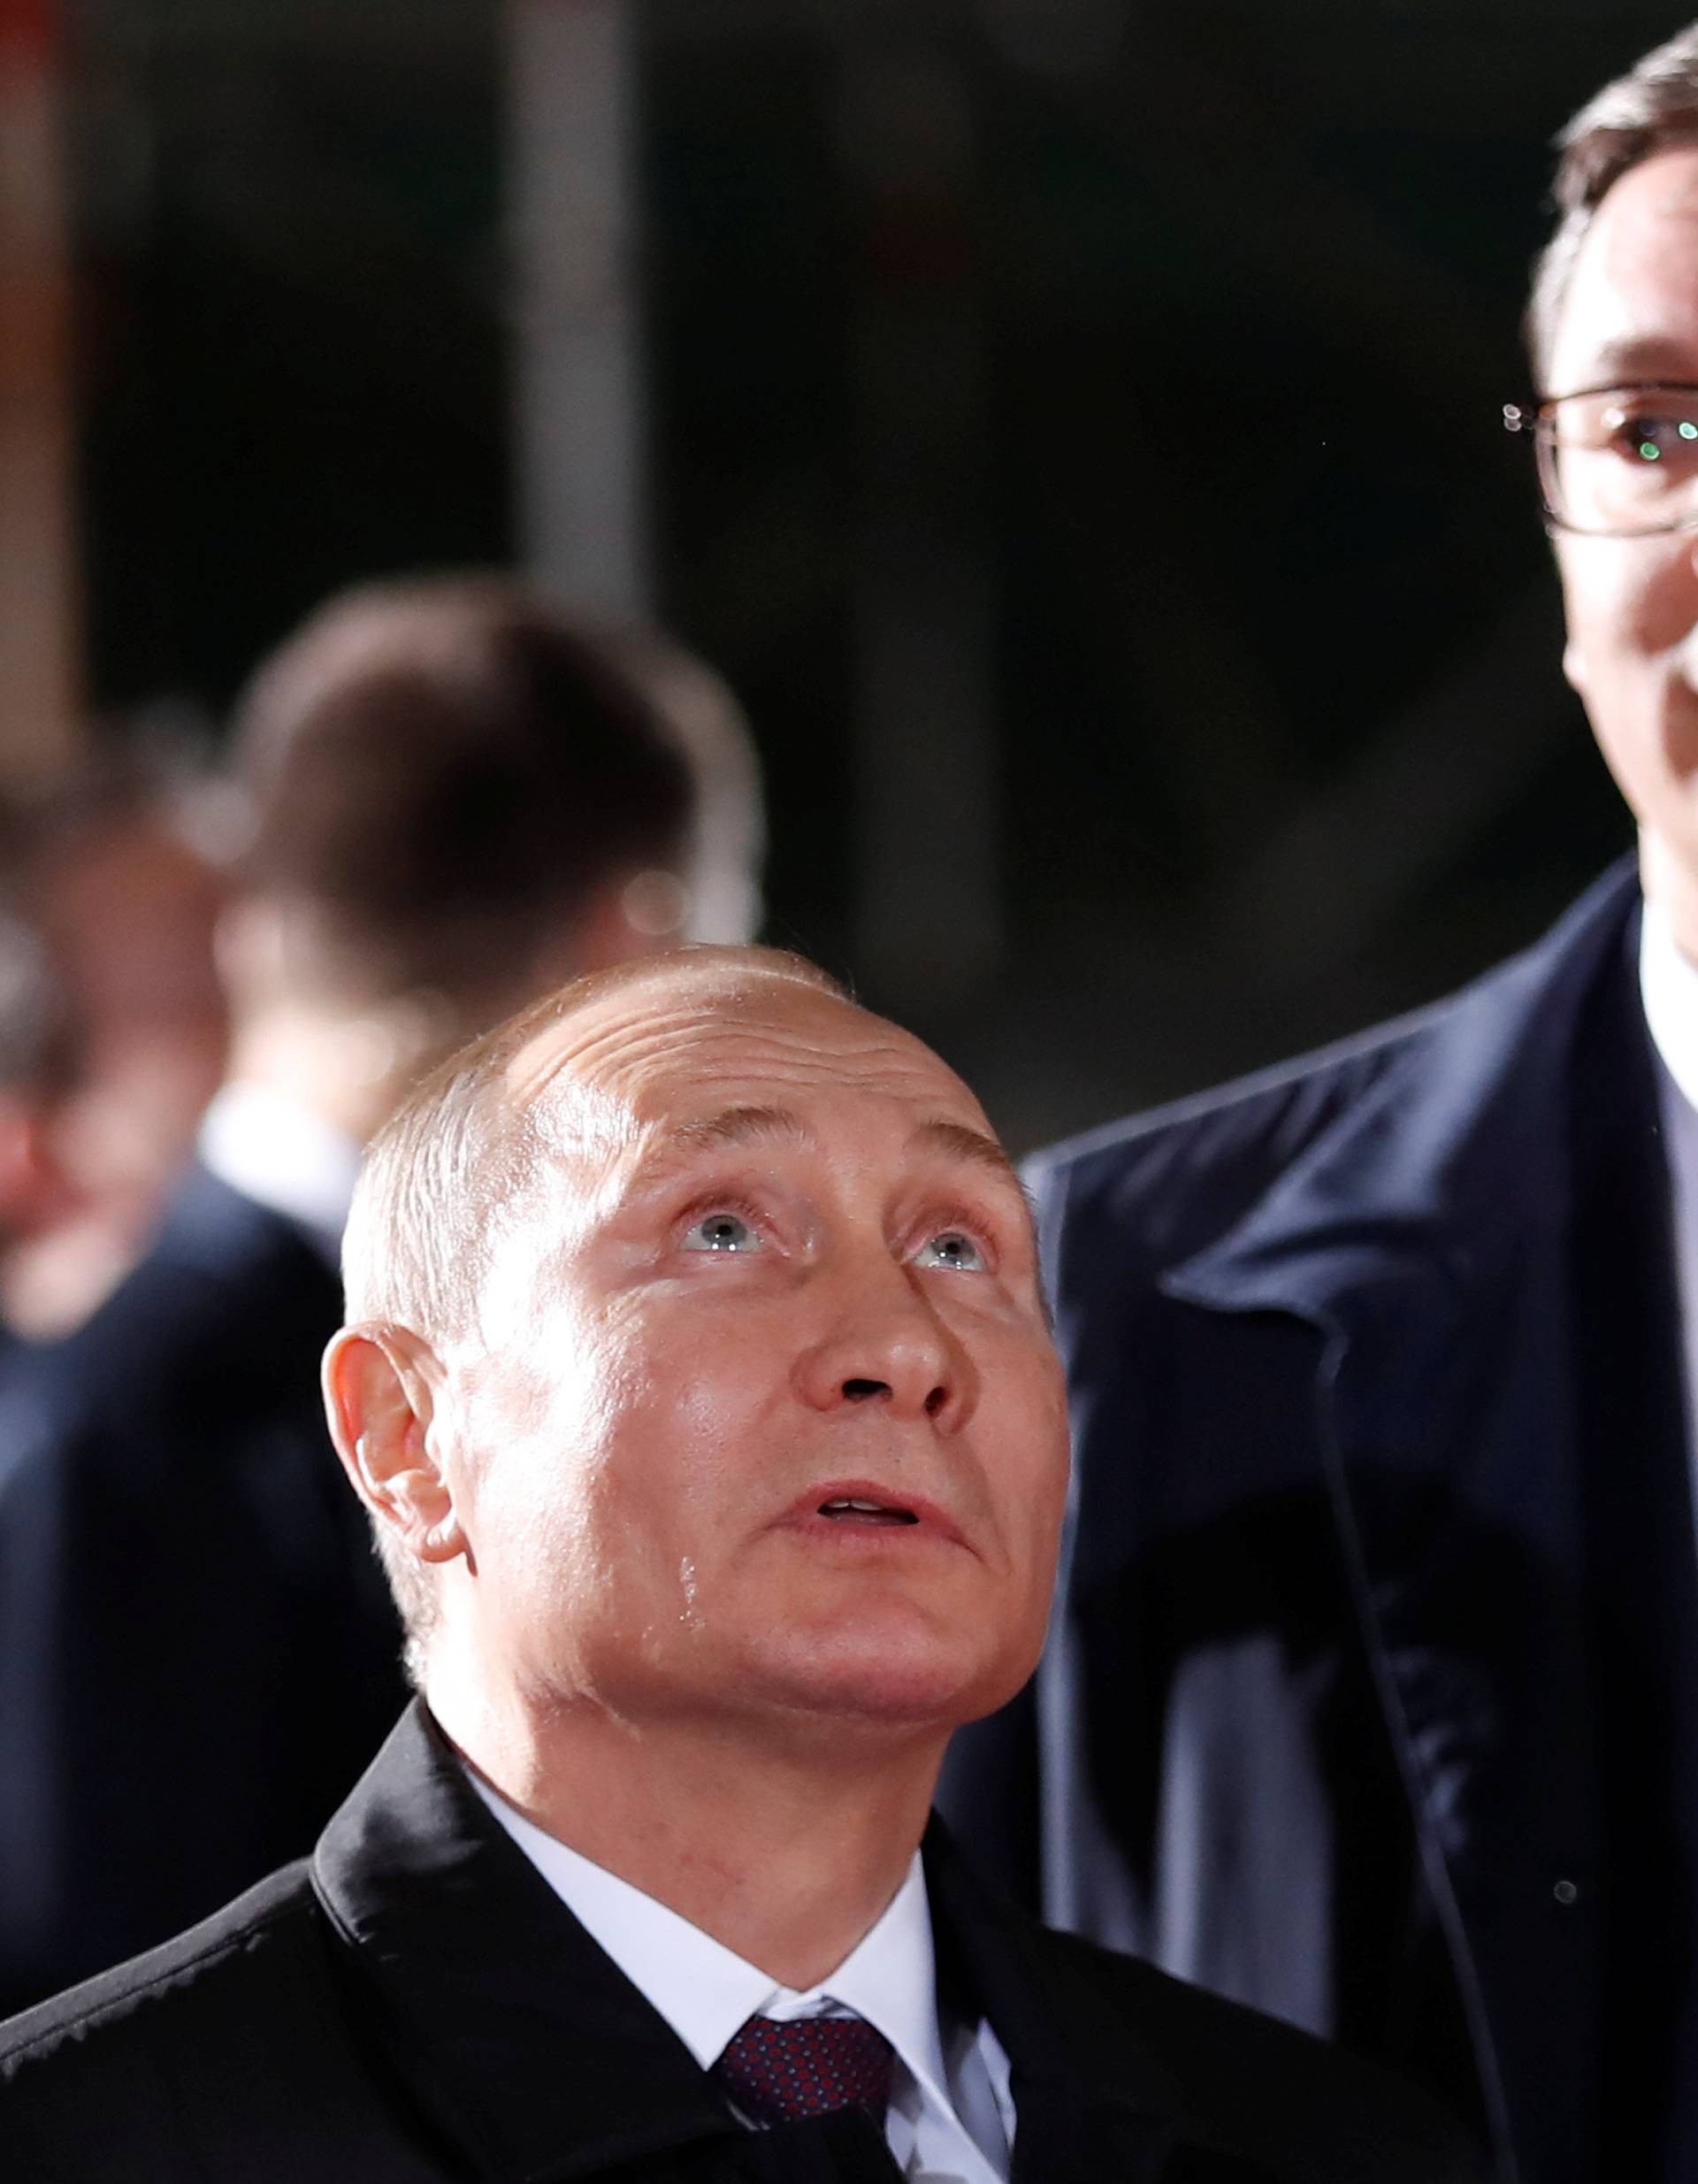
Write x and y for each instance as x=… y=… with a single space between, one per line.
x=349 y=1070
x=787 y=1849
x=1669 y=883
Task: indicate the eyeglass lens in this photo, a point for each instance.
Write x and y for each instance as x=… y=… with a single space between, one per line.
x=1624 y=460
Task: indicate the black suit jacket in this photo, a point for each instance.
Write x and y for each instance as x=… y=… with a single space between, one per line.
x=417 y=2005
x=1370 y=1695
x=196 y=1654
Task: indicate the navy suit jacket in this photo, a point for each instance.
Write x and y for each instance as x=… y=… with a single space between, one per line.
x=196 y=1653
x=1369 y=1698
x=417 y=2006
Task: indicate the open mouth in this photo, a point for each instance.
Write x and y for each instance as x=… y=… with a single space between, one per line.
x=850 y=1509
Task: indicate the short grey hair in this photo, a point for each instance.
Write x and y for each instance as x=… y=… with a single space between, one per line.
x=1653 y=108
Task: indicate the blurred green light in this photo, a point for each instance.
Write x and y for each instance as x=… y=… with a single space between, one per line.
x=1649 y=449
x=1688 y=430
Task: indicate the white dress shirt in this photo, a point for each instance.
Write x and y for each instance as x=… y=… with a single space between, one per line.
x=950 y=2118
x=279 y=1153
x=1668 y=984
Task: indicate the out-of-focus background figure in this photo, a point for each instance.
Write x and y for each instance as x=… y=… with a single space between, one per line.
x=456 y=796
x=37 y=1067
x=117 y=869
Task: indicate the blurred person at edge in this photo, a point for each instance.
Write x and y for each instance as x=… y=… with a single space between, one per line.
x=118 y=878
x=699 y=1386
x=1372 y=1693
x=456 y=796
x=38 y=1070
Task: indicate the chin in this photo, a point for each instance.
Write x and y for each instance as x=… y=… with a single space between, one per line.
x=917 y=1677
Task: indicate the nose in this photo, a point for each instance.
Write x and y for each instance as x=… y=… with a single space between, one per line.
x=886 y=1348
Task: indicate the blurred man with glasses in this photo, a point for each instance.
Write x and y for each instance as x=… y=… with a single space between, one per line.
x=1373 y=1694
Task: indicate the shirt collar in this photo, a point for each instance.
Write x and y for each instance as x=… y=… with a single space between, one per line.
x=706 y=1992
x=284 y=1158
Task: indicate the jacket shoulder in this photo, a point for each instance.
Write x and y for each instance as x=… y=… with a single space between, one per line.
x=221 y=1268
x=223 y=2017
x=1256 y=1124
x=213 y=1335
x=1269 y=2095
x=1157 y=1186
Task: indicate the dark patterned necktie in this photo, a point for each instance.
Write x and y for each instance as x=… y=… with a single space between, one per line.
x=777 y=2070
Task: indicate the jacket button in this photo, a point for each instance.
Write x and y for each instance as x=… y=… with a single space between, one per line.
x=1566 y=1892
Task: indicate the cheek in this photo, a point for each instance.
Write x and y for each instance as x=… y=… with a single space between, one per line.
x=664 y=1418
x=1031 y=1415
x=540 y=1425
x=1628 y=602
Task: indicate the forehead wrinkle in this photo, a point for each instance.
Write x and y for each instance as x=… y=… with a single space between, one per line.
x=613 y=1074
x=729 y=1059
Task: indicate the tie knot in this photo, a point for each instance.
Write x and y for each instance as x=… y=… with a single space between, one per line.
x=778 y=2070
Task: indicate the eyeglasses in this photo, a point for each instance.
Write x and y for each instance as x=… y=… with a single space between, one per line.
x=1617 y=462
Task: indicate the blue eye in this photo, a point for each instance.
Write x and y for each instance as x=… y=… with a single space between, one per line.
x=951 y=1248
x=721 y=1232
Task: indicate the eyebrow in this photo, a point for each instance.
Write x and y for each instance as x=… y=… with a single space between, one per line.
x=741 y=1126
x=963 y=1144
x=1657 y=361
x=711 y=1133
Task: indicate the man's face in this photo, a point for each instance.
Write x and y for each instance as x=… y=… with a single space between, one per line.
x=764 y=1417
x=1631 y=314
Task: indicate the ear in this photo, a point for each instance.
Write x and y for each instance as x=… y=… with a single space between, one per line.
x=381 y=1389
x=33 y=1188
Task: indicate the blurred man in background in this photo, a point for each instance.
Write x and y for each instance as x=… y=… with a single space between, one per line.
x=1373 y=1693
x=115 y=873
x=38 y=1070
x=456 y=797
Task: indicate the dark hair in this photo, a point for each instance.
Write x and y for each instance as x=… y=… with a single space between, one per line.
x=1650 y=109
x=447 y=769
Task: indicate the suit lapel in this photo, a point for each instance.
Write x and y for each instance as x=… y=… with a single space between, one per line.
x=534 y=2056
x=509 y=2026
x=1091 y=2099
x=1641 y=1588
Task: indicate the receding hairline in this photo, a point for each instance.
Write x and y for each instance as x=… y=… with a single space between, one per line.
x=1651 y=108
x=549 y=1053
x=427 y=1172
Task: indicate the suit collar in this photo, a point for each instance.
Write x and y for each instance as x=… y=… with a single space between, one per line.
x=1409 y=1185
x=509 y=2024
x=210 y=1225
x=535 y=2054
x=1000 y=1964
x=1093 y=2097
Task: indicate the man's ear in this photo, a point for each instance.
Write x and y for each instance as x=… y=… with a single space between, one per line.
x=381 y=1389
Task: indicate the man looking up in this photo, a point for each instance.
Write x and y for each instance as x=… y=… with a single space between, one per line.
x=699 y=1391
x=456 y=797
x=1374 y=1699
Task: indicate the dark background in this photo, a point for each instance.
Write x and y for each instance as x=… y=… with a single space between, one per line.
x=1075 y=433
